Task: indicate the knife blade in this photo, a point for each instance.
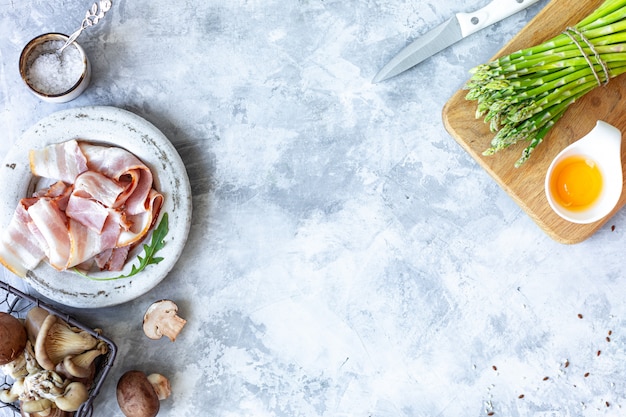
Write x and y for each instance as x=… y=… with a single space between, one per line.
x=460 y=26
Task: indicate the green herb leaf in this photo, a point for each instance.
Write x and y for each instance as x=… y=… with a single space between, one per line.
x=149 y=251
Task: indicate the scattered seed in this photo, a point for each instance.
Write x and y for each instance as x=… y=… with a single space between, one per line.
x=586 y=374
x=545 y=378
x=580 y=316
x=599 y=352
x=490 y=413
x=613 y=228
x=607 y=404
x=521 y=396
x=566 y=363
x=610 y=332
x=608 y=339
x=495 y=368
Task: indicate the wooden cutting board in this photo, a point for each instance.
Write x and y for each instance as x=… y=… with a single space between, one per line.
x=526 y=184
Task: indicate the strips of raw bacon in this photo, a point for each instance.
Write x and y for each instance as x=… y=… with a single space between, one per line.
x=102 y=203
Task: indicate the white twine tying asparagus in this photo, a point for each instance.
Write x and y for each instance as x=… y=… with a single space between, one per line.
x=523 y=94
x=570 y=32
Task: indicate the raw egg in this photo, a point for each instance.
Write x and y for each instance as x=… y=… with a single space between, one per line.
x=576 y=182
x=584 y=181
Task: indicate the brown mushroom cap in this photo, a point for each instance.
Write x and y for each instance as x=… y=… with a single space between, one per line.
x=12 y=338
x=136 y=396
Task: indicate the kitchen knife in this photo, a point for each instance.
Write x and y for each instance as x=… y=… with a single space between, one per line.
x=449 y=32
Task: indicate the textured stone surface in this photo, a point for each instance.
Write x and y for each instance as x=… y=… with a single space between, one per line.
x=346 y=257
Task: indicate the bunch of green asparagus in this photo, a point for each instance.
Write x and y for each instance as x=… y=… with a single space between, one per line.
x=522 y=95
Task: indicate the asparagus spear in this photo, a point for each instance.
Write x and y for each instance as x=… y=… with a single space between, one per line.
x=522 y=95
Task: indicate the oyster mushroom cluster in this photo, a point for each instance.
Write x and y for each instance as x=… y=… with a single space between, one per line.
x=52 y=363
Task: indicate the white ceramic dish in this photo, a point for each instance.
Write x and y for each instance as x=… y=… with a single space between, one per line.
x=104 y=125
x=603 y=146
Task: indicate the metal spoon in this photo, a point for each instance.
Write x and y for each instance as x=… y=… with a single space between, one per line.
x=92 y=17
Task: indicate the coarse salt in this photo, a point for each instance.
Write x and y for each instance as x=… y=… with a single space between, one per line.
x=55 y=73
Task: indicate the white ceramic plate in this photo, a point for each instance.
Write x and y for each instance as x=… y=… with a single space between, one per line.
x=104 y=125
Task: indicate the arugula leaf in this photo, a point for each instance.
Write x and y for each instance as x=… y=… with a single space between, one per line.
x=149 y=251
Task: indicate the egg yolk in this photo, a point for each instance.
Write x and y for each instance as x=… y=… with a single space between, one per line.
x=576 y=182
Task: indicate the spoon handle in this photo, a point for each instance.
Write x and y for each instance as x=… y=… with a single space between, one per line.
x=92 y=17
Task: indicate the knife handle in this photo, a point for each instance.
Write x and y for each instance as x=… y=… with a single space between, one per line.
x=490 y=14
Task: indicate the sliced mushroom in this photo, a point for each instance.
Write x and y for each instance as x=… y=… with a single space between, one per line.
x=161 y=319
x=12 y=338
x=136 y=395
x=56 y=340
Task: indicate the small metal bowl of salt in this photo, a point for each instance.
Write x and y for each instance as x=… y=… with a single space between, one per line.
x=52 y=74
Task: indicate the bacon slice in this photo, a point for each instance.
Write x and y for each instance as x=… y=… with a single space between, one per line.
x=85 y=243
x=124 y=167
x=52 y=223
x=20 y=248
x=59 y=191
x=87 y=211
x=93 y=196
x=63 y=161
x=142 y=222
x=113 y=259
x=99 y=187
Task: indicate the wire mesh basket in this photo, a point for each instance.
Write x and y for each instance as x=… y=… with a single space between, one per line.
x=17 y=303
